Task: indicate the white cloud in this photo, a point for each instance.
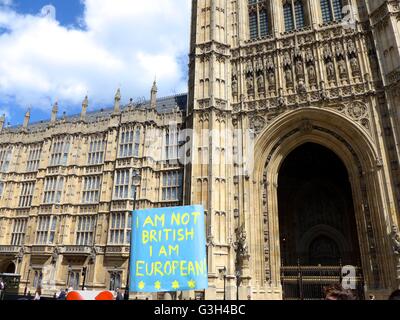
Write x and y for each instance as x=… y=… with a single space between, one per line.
x=125 y=43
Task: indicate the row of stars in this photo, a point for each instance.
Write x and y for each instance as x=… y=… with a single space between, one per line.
x=175 y=285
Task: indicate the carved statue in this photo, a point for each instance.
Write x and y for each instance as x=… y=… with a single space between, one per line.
x=327 y=52
x=271 y=79
x=342 y=68
x=395 y=237
x=289 y=76
x=234 y=87
x=241 y=243
x=299 y=69
x=330 y=70
x=260 y=82
x=250 y=84
x=354 y=65
x=312 y=75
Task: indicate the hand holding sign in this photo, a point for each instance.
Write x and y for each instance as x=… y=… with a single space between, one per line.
x=168 y=250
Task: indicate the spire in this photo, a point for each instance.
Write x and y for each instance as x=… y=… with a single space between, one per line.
x=153 y=95
x=85 y=104
x=2 y=120
x=54 y=112
x=117 y=100
x=27 y=118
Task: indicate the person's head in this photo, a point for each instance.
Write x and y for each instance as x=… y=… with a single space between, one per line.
x=395 y=295
x=337 y=292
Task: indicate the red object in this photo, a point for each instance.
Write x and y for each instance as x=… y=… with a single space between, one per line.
x=90 y=295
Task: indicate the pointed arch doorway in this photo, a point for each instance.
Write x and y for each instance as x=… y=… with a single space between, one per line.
x=318 y=230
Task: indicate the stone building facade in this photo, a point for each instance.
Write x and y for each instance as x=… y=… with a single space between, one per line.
x=298 y=83
x=293 y=150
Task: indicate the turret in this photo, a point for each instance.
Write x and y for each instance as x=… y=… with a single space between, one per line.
x=153 y=95
x=2 y=120
x=117 y=101
x=85 y=104
x=54 y=112
x=27 y=118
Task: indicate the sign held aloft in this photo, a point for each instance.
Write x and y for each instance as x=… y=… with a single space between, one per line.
x=168 y=250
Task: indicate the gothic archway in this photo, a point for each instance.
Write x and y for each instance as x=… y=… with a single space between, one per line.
x=355 y=148
x=316 y=209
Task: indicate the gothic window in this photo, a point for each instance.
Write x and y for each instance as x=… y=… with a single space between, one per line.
x=259 y=23
x=91 y=189
x=96 y=151
x=294 y=15
x=53 y=188
x=37 y=280
x=85 y=230
x=5 y=159
x=124 y=187
x=331 y=10
x=288 y=16
x=46 y=230
x=59 y=152
x=171 y=144
x=18 y=232
x=172 y=186
x=25 y=199
x=129 y=143
x=120 y=228
x=33 y=158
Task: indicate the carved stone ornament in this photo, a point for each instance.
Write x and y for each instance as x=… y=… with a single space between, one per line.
x=357 y=110
x=241 y=246
x=257 y=123
x=55 y=255
x=395 y=239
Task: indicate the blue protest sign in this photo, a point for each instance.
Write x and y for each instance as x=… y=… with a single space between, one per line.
x=168 y=250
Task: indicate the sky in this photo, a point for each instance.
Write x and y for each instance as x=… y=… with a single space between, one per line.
x=63 y=50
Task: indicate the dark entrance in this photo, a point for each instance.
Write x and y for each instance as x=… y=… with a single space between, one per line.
x=316 y=219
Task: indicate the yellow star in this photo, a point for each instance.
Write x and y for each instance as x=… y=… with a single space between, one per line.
x=192 y=284
x=157 y=285
x=175 y=285
x=141 y=285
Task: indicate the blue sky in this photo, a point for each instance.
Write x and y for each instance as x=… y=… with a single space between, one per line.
x=89 y=47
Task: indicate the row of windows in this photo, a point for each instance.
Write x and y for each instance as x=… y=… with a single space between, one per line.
x=293 y=15
x=128 y=147
x=119 y=230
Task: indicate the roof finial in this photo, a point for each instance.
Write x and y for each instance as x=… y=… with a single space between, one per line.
x=27 y=118
x=117 y=100
x=85 y=104
x=54 y=111
x=153 y=95
x=2 y=120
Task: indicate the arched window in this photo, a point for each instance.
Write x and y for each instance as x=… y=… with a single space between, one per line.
x=288 y=16
x=332 y=10
x=259 y=23
x=294 y=15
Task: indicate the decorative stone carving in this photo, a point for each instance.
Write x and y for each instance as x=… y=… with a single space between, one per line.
x=312 y=75
x=339 y=50
x=260 y=83
x=270 y=64
x=55 y=255
x=395 y=238
x=241 y=246
x=330 y=70
x=355 y=67
x=327 y=52
x=299 y=70
x=351 y=49
x=309 y=56
x=357 y=110
x=342 y=69
x=288 y=77
x=257 y=123
x=287 y=62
